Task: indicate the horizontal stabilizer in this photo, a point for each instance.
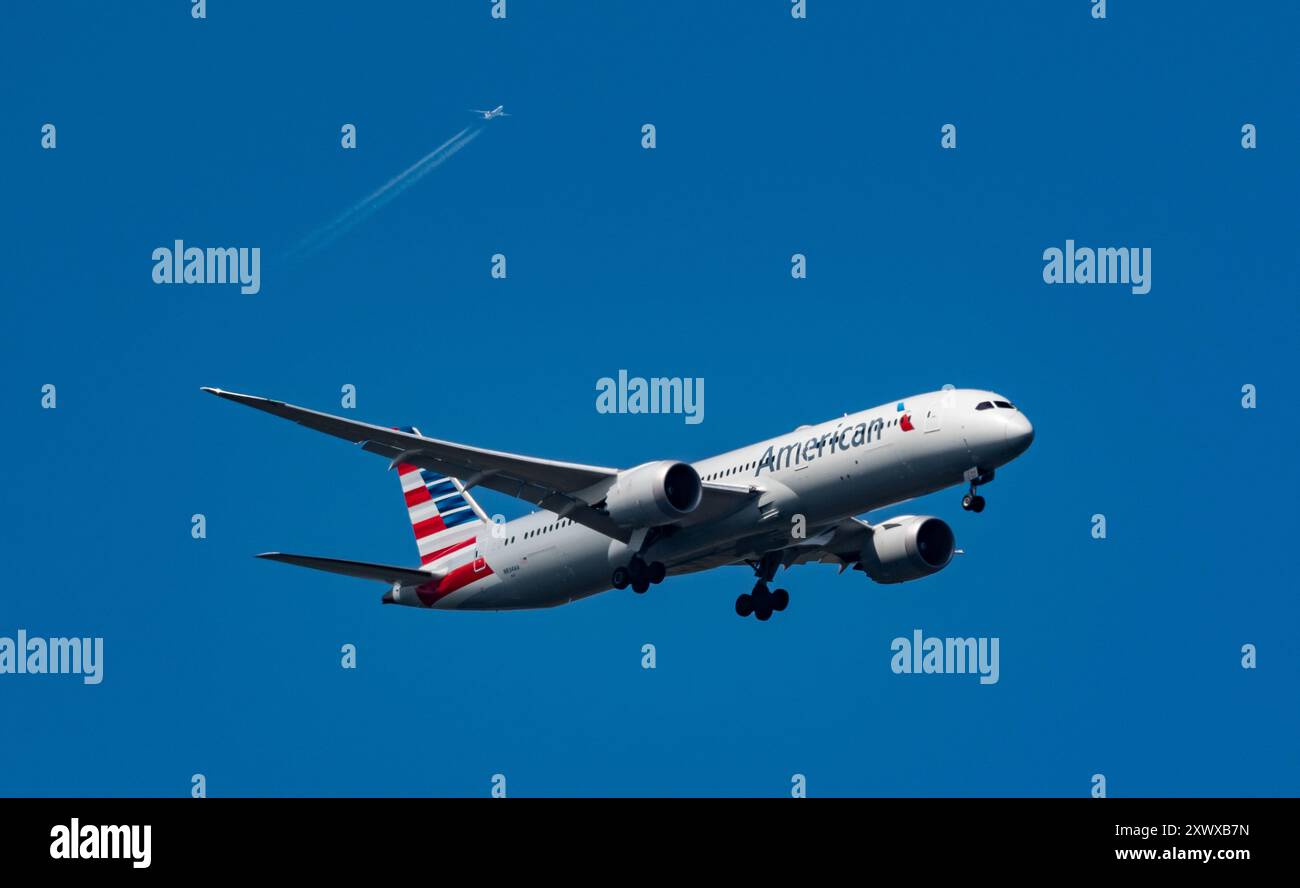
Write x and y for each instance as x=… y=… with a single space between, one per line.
x=384 y=573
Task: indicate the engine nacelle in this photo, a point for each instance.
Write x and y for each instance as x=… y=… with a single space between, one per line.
x=654 y=494
x=907 y=548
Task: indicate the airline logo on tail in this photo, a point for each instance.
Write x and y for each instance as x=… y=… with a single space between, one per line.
x=444 y=517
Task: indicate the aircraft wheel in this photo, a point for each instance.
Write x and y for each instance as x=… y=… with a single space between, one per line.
x=764 y=612
x=977 y=505
x=640 y=587
x=657 y=573
x=780 y=600
x=621 y=578
x=744 y=605
x=968 y=502
x=638 y=571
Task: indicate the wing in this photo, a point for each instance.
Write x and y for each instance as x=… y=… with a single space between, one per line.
x=570 y=490
x=839 y=544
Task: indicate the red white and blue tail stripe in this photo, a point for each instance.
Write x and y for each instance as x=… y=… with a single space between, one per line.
x=445 y=518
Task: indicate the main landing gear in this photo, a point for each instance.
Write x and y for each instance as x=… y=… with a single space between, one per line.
x=972 y=501
x=761 y=602
x=639 y=575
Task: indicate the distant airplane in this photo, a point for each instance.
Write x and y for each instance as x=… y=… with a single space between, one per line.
x=498 y=111
x=781 y=502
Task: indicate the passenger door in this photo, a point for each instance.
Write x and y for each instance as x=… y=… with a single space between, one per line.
x=933 y=421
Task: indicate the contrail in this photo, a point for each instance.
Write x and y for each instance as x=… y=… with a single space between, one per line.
x=367 y=206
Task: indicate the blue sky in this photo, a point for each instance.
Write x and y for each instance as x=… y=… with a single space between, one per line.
x=1119 y=656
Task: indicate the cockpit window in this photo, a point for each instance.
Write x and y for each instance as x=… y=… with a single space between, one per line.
x=984 y=405
x=1005 y=404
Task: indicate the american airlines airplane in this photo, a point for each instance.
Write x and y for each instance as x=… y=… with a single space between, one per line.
x=784 y=501
x=498 y=111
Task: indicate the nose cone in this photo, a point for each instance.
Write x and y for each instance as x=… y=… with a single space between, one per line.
x=1019 y=433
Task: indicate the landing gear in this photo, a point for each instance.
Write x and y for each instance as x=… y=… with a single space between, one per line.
x=763 y=602
x=639 y=575
x=973 y=502
x=756 y=603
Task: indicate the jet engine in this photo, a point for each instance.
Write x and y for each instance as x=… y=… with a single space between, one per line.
x=654 y=494
x=907 y=548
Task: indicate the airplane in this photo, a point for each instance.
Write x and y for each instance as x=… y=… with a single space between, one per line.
x=498 y=111
x=785 y=501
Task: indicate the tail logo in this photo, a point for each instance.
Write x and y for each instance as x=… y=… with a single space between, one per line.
x=443 y=515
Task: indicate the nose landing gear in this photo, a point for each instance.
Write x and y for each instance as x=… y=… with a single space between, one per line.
x=972 y=501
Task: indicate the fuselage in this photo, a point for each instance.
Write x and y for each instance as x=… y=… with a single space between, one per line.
x=817 y=474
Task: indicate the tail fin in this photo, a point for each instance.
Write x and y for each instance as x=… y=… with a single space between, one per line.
x=444 y=516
